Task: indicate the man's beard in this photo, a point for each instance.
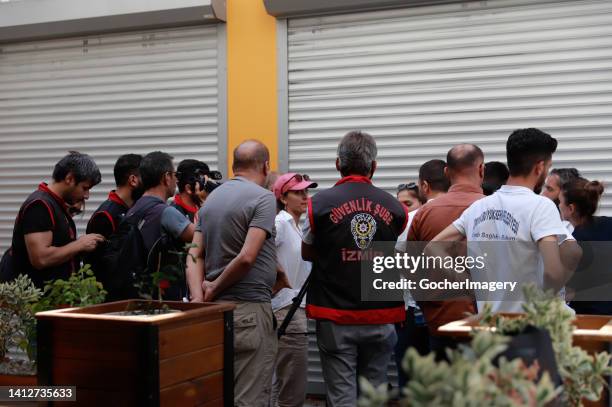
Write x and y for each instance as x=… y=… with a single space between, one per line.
x=71 y=200
x=538 y=187
x=137 y=192
x=197 y=201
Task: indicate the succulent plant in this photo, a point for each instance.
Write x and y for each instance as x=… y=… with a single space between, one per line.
x=471 y=379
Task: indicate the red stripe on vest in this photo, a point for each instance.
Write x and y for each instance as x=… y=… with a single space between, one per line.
x=357 y=317
x=311 y=215
x=113 y=197
x=45 y=188
x=112 y=221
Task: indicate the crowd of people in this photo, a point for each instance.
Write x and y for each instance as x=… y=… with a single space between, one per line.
x=259 y=237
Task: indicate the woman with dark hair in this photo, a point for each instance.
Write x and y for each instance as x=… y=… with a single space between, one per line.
x=578 y=202
x=409 y=195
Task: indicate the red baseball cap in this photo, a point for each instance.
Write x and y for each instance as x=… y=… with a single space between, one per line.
x=292 y=181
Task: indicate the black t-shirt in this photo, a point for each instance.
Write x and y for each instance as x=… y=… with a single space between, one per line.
x=36 y=218
x=594 y=273
x=598 y=230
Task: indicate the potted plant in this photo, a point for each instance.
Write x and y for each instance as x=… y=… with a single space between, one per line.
x=476 y=374
x=19 y=301
x=79 y=290
x=17 y=328
x=470 y=378
x=141 y=351
x=582 y=373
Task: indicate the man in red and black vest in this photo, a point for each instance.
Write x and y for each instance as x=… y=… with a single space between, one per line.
x=44 y=244
x=109 y=214
x=192 y=176
x=355 y=337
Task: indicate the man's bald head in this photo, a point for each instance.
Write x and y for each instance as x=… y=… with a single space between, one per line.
x=463 y=157
x=250 y=155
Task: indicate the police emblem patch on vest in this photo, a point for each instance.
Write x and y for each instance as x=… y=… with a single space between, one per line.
x=363 y=228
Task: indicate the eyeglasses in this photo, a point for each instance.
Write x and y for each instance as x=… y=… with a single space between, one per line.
x=407 y=187
x=298 y=178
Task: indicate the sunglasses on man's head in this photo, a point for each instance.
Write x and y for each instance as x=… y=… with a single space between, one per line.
x=407 y=187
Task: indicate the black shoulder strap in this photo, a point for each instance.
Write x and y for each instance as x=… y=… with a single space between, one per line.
x=140 y=213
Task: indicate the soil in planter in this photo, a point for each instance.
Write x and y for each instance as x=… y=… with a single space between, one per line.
x=142 y=313
x=152 y=308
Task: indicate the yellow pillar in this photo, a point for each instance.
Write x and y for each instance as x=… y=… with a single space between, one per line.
x=251 y=77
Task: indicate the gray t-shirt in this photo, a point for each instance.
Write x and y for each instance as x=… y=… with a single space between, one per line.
x=173 y=223
x=225 y=219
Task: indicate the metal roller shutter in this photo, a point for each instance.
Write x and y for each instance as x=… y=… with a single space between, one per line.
x=422 y=79
x=104 y=95
x=425 y=78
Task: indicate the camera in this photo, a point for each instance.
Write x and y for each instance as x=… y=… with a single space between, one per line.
x=213 y=181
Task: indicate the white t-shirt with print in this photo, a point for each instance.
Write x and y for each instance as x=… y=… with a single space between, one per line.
x=511 y=214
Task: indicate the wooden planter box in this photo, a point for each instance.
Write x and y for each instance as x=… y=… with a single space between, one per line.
x=17 y=380
x=595 y=330
x=175 y=359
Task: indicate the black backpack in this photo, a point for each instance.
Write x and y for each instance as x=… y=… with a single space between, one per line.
x=122 y=260
x=164 y=257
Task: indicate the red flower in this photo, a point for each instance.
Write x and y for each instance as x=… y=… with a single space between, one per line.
x=164 y=284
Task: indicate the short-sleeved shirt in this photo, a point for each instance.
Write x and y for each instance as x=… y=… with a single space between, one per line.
x=173 y=222
x=36 y=219
x=430 y=220
x=513 y=213
x=229 y=212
